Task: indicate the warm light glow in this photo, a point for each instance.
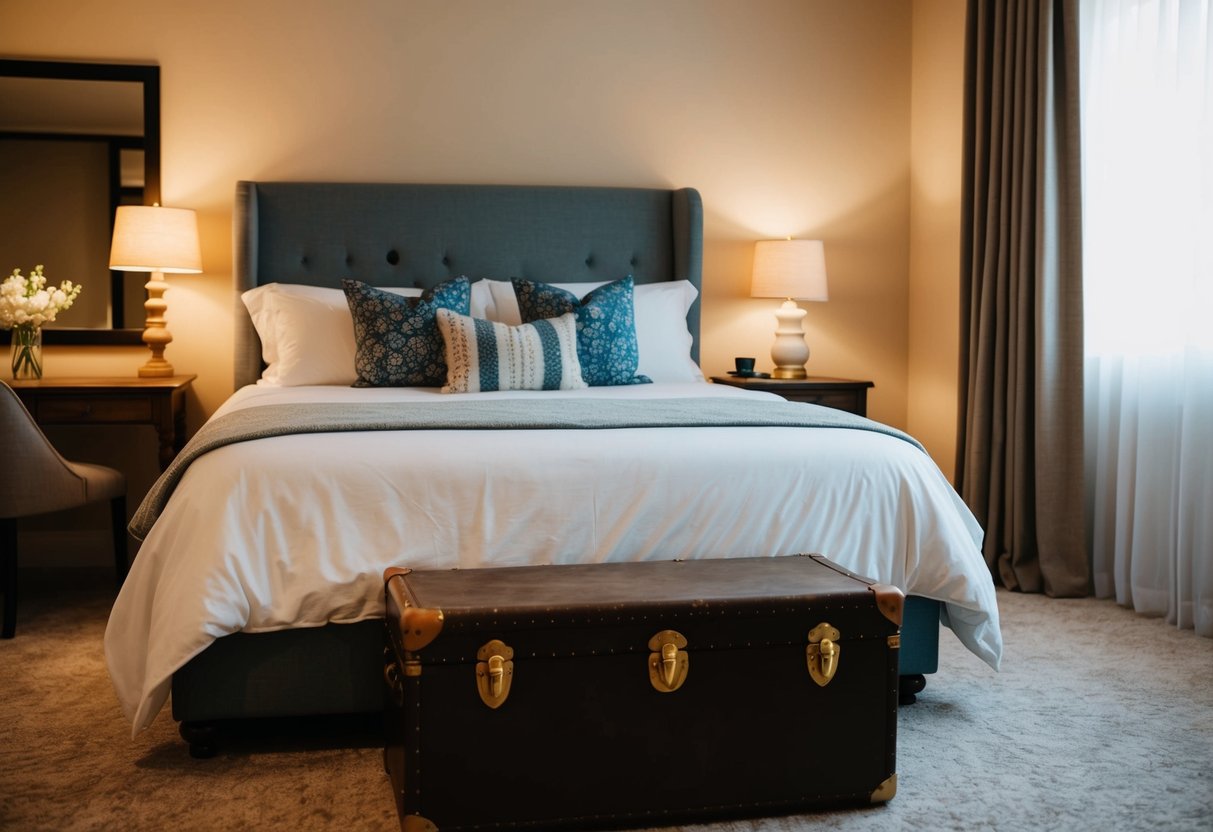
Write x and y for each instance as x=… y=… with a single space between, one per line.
x=795 y=270
x=789 y=269
x=157 y=240
x=149 y=238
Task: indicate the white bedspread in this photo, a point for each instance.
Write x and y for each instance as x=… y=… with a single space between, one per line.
x=295 y=531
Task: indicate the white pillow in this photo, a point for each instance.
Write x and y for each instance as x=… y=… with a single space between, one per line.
x=662 y=337
x=483 y=304
x=483 y=355
x=307 y=333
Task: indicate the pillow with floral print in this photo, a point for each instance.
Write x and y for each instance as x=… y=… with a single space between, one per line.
x=606 y=327
x=397 y=342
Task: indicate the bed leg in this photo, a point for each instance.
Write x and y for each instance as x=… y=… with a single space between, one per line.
x=201 y=737
x=909 y=687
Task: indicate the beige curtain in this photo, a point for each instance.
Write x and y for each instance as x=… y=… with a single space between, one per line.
x=1020 y=451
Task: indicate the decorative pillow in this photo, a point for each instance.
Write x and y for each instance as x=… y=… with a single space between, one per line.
x=396 y=339
x=662 y=337
x=307 y=335
x=484 y=355
x=606 y=327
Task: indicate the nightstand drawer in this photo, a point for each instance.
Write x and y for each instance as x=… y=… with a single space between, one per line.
x=66 y=410
x=839 y=393
x=838 y=399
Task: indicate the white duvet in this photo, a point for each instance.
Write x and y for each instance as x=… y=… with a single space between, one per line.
x=295 y=531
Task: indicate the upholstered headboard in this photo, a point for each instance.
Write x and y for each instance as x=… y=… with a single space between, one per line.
x=421 y=235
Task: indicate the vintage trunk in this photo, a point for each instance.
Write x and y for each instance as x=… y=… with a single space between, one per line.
x=638 y=693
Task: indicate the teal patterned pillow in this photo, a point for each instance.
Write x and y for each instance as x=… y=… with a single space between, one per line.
x=485 y=355
x=606 y=327
x=396 y=338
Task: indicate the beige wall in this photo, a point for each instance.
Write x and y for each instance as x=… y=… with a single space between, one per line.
x=791 y=118
x=937 y=104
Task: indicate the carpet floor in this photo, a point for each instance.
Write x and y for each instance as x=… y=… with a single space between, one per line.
x=1099 y=720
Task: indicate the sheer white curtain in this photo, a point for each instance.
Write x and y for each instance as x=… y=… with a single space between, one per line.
x=1147 y=146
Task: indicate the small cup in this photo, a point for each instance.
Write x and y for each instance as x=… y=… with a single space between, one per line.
x=744 y=365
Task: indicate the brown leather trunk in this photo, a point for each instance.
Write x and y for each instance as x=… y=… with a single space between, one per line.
x=540 y=697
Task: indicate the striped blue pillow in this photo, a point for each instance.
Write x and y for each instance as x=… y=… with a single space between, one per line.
x=485 y=355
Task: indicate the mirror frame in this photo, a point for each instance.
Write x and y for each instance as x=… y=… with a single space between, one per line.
x=149 y=76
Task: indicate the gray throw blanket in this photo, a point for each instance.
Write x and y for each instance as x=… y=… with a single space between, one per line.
x=505 y=414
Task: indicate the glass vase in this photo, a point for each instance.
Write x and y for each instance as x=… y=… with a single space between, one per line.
x=27 y=352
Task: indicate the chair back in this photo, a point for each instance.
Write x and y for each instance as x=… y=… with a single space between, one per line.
x=34 y=477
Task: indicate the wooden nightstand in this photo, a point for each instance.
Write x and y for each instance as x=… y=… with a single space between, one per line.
x=839 y=393
x=159 y=402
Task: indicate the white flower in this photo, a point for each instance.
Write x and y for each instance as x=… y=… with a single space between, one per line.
x=26 y=300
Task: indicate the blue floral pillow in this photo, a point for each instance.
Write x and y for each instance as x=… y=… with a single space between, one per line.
x=606 y=327
x=396 y=338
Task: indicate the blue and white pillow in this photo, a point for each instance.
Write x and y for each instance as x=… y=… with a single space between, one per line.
x=484 y=355
x=606 y=327
x=396 y=339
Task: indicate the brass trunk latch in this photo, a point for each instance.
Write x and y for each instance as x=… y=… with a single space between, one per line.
x=822 y=653
x=669 y=662
x=494 y=672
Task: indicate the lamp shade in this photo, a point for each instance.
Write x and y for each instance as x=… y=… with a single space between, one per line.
x=149 y=238
x=789 y=269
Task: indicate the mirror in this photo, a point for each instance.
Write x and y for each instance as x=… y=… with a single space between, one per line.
x=76 y=141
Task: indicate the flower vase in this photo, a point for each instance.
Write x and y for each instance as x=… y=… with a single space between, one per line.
x=27 y=352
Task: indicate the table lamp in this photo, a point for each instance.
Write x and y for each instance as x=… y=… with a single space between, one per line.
x=149 y=238
x=793 y=270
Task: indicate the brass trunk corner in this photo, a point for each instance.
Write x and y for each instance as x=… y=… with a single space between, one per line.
x=890 y=601
x=419 y=626
x=885 y=791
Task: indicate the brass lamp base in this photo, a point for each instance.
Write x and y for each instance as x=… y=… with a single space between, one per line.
x=795 y=372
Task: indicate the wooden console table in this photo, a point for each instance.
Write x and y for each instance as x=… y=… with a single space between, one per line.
x=159 y=402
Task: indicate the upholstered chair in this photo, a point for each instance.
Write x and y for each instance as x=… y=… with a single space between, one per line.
x=35 y=479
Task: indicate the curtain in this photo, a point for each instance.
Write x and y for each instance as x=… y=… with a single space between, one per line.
x=1147 y=91
x=1019 y=454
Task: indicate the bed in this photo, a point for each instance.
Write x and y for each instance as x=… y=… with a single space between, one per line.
x=257 y=588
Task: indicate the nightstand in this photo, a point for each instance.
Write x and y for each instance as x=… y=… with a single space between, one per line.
x=159 y=402
x=838 y=393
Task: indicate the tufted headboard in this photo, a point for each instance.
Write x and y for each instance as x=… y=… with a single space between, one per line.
x=421 y=235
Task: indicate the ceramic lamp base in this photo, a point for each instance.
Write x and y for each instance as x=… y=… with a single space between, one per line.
x=790 y=352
